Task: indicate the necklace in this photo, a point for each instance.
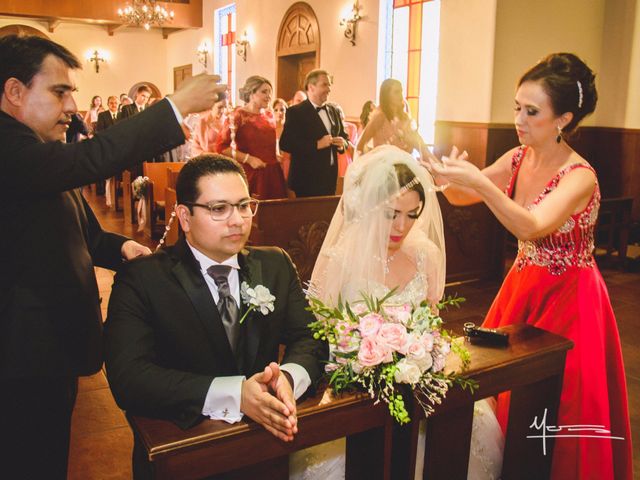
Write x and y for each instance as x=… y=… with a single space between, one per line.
x=387 y=262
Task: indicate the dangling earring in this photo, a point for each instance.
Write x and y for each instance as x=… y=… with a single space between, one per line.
x=559 y=136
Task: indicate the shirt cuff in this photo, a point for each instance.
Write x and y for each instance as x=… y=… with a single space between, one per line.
x=179 y=116
x=301 y=379
x=223 y=399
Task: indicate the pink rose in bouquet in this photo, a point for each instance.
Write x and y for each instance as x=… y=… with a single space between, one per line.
x=398 y=313
x=370 y=324
x=393 y=336
x=372 y=353
x=418 y=354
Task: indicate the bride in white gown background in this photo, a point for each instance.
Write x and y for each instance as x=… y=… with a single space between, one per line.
x=387 y=234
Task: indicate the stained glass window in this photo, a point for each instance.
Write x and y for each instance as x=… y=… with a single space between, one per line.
x=225 y=40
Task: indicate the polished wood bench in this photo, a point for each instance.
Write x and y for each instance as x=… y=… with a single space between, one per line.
x=531 y=367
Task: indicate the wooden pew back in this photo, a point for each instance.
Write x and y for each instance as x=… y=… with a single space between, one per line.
x=158 y=174
x=296 y=225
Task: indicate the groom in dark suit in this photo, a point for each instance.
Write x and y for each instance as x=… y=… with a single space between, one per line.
x=109 y=117
x=314 y=135
x=175 y=346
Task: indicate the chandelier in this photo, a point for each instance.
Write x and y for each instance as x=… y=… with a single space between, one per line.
x=145 y=13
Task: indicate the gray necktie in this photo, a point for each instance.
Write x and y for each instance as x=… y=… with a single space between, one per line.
x=227 y=306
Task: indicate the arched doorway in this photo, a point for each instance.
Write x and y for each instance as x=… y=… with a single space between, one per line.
x=298 y=48
x=21 y=31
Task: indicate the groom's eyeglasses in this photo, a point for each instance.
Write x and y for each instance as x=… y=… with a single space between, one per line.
x=220 y=211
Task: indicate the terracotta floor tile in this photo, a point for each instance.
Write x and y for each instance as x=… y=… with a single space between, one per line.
x=96 y=411
x=102 y=455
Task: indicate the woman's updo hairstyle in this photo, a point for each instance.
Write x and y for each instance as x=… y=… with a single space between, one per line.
x=570 y=84
x=251 y=85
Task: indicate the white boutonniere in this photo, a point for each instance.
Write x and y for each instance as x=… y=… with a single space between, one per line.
x=258 y=297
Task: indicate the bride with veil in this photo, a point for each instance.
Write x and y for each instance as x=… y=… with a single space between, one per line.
x=387 y=234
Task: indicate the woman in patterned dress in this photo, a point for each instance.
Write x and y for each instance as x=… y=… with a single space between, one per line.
x=548 y=197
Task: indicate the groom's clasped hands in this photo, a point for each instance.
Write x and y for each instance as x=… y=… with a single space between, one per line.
x=267 y=398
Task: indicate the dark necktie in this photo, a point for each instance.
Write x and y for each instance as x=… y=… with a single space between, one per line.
x=227 y=306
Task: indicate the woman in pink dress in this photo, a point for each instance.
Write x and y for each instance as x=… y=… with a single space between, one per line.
x=548 y=197
x=254 y=130
x=206 y=131
x=389 y=123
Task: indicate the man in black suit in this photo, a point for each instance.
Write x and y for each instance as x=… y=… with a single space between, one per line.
x=143 y=93
x=50 y=321
x=314 y=135
x=176 y=349
x=110 y=116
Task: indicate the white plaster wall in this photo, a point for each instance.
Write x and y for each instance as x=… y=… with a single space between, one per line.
x=632 y=118
x=466 y=60
x=353 y=67
x=526 y=31
x=134 y=55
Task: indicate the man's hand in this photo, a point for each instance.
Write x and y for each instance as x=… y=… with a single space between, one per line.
x=198 y=94
x=132 y=249
x=281 y=385
x=325 y=142
x=339 y=142
x=263 y=407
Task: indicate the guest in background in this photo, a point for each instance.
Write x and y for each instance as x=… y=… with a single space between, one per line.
x=91 y=117
x=365 y=116
x=548 y=196
x=279 y=108
x=143 y=93
x=207 y=128
x=108 y=117
x=298 y=97
x=390 y=124
x=50 y=321
x=345 y=158
x=105 y=120
x=124 y=100
x=314 y=135
x=255 y=140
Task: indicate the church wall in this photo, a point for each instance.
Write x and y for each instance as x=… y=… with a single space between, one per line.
x=527 y=31
x=632 y=119
x=135 y=55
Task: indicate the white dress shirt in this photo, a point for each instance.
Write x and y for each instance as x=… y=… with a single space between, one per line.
x=223 y=398
x=324 y=116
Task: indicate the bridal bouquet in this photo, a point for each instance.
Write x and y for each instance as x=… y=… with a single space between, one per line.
x=377 y=346
x=139 y=187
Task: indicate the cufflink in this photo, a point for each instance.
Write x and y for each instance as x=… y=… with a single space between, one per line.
x=225 y=412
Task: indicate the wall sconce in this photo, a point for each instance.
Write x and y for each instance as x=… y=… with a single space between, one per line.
x=350 y=22
x=241 y=46
x=203 y=54
x=95 y=57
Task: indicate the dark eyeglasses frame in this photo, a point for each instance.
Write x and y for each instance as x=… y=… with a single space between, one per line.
x=210 y=206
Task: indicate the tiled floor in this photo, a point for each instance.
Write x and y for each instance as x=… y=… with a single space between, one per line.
x=101 y=441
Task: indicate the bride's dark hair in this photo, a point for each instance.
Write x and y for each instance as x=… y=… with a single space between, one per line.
x=385 y=100
x=407 y=177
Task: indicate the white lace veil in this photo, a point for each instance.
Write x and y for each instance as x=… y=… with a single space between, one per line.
x=353 y=257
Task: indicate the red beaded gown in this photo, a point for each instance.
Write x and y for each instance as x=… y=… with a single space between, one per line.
x=256 y=135
x=555 y=285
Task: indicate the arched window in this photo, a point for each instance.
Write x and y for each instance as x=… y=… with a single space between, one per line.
x=411 y=30
x=225 y=46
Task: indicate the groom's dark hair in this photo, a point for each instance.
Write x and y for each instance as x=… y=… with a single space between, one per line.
x=207 y=164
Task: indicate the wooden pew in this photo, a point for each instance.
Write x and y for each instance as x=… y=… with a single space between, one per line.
x=614 y=224
x=296 y=225
x=532 y=367
x=158 y=174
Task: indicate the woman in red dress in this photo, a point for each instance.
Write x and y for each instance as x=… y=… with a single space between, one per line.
x=548 y=197
x=254 y=130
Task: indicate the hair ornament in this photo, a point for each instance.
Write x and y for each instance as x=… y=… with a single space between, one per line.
x=579 y=93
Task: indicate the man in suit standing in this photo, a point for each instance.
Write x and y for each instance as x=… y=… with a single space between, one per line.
x=314 y=135
x=175 y=347
x=106 y=119
x=50 y=321
x=110 y=116
x=143 y=93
